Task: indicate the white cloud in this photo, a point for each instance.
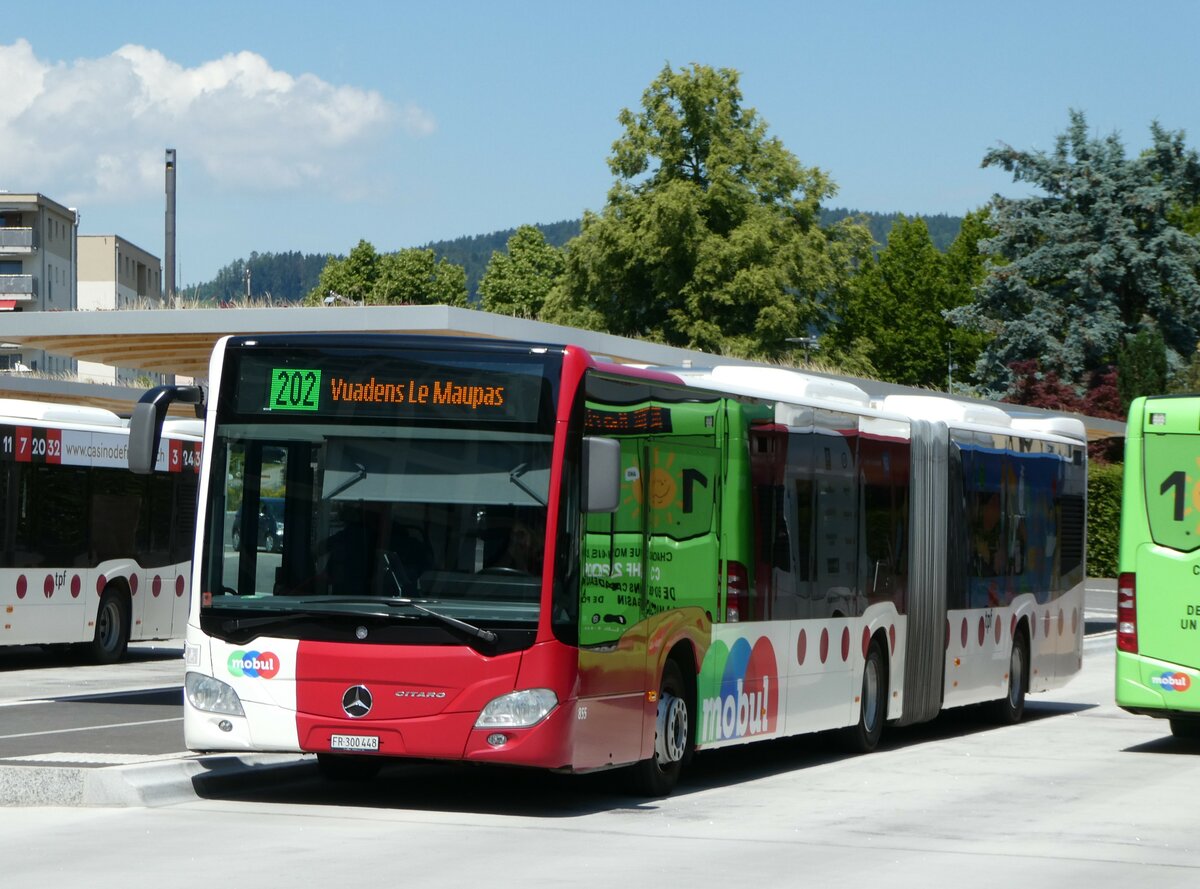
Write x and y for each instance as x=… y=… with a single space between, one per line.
x=94 y=130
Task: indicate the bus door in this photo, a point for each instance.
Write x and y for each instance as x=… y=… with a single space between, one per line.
x=682 y=494
x=154 y=596
x=612 y=634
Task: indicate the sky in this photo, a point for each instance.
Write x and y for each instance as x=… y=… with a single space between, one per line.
x=309 y=126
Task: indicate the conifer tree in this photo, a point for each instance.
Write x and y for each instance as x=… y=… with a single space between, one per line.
x=1084 y=261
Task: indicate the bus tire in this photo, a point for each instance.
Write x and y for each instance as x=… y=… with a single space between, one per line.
x=1010 y=709
x=1185 y=729
x=673 y=737
x=348 y=767
x=872 y=712
x=112 y=629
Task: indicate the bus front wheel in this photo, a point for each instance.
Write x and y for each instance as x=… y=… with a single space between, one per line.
x=674 y=727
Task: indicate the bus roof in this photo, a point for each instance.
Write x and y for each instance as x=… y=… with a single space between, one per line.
x=954 y=412
x=190 y=428
x=53 y=412
x=776 y=383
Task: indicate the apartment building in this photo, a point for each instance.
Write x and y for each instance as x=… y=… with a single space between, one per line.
x=37 y=269
x=116 y=274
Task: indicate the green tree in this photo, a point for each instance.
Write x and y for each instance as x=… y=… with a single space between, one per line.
x=417 y=277
x=407 y=277
x=896 y=302
x=1187 y=378
x=967 y=263
x=518 y=281
x=1141 y=366
x=1084 y=261
x=350 y=278
x=710 y=238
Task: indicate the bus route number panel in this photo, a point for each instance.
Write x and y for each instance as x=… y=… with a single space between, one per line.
x=295 y=389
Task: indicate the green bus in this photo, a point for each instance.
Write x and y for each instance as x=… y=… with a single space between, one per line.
x=1158 y=590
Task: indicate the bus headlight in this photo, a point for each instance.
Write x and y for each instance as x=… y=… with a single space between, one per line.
x=520 y=709
x=212 y=695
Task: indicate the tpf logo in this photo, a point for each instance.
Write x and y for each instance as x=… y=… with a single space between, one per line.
x=254 y=664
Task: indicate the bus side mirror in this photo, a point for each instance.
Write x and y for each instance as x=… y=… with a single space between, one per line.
x=146 y=422
x=601 y=474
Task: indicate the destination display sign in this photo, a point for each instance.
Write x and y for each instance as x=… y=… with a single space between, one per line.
x=399 y=388
x=638 y=421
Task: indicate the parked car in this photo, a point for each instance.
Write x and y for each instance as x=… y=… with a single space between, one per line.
x=270 y=525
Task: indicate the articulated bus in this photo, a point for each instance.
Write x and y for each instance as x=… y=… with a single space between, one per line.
x=90 y=555
x=520 y=554
x=1158 y=586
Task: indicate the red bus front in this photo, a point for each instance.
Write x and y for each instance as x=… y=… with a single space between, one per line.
x=390 y=557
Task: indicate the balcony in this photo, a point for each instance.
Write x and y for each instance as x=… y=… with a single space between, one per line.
x=18 y=287
x=16 y=241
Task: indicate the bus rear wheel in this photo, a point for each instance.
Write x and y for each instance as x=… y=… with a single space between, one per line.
x=112 y=629
x=1011 y=708
x=674 y=725
x=872 y=712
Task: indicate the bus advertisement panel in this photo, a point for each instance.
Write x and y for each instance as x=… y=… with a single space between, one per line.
x=514 y=553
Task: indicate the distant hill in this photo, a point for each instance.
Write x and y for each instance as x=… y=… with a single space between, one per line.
x=943 y=229
x=288 y=277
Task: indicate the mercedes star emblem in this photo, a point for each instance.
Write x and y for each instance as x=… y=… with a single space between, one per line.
x=357 y=701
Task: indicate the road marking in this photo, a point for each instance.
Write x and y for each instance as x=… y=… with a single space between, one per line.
x=90 y=728
x=97 y=759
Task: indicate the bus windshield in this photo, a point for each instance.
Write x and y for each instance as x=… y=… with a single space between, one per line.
x=413 y=517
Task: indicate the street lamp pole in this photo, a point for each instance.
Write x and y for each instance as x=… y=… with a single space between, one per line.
x=806 y=342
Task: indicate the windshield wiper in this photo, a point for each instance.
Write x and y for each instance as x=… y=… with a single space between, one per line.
x=477 y=632
x=348 y=483
x=293 y=615
x=514 y=476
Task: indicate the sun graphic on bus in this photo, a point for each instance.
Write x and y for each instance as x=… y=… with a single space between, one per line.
x=662 y=486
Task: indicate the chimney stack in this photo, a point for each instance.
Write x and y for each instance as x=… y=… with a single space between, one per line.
x=169 y=250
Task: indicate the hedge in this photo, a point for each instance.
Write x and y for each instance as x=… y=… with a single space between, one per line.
x=1104 y=518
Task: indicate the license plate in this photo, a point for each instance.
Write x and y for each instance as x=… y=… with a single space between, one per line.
x=354 y=742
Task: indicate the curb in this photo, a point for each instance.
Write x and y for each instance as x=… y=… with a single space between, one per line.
x=162 y=783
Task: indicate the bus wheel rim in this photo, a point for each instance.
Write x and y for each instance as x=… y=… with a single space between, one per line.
x=671 y=742
x=107 y=621
x=870 y=700
x=1016 y=675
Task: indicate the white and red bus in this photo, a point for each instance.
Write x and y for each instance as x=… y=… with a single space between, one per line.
x=90 y=555
x=519 y=554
